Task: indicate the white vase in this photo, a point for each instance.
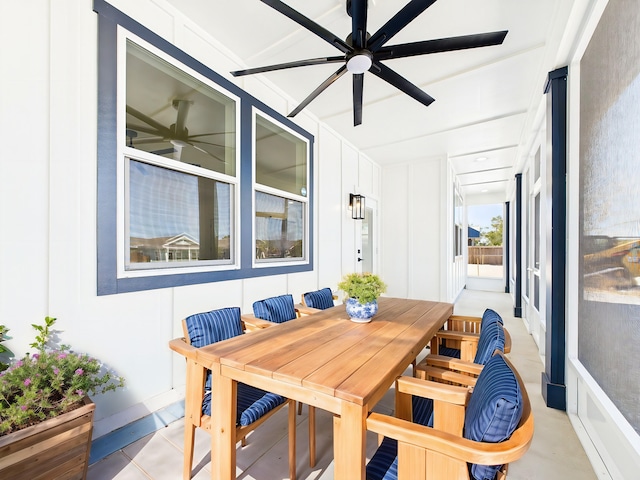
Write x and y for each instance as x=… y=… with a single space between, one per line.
x=361 y=313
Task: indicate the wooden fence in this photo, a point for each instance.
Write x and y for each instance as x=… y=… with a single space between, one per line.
x=485 y=255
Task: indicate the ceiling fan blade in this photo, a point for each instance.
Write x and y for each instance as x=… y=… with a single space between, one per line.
x=332 y=78
x=400 y=20
x=441 y=45
x=282 y=66
x=149 y=140
x=401 y=83
x=358 y=13
x=358 y=84
x=309 y=24
x=141 y=128
x=148 y=120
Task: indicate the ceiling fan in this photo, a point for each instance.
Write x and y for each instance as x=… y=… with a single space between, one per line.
x=177 y=133
x=363 y=52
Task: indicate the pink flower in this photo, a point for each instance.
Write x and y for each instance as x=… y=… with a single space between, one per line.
x=79 y=371
x=36 y=356
x=23 y=407
x=27 y=382
x=56 y=370
x=80 y=392
x=62 y=356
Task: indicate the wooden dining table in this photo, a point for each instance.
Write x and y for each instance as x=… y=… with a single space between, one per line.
x=324 y=360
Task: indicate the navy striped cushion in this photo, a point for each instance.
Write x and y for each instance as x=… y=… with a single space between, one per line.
x=211 y=327
x=449 y=352
x=491 y=338
x=321 y=299
x=494 y=410
x=252 y=404
x=384 y=463
x=275 y=309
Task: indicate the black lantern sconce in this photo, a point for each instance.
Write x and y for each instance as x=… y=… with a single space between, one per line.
x=356 y=203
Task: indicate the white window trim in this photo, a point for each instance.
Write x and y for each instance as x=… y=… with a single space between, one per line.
x=125 y=153
x=258 y=187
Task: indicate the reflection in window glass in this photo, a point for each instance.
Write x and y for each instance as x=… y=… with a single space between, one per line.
x=177 y=217
x=279 y=227
x=281 y=158
x=172 y=114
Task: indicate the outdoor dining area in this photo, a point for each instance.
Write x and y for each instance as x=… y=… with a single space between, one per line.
x=462 y=412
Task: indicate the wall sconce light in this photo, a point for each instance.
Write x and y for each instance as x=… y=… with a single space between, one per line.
x=356 y=203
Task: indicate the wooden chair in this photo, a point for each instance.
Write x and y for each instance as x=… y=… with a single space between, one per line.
x=471 y=433
x=254 y=406
x=460 y=335
x=281 y=309
x=447 y=369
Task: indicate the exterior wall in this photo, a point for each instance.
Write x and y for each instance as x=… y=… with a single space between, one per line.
x=48 y=201
x=417 y=198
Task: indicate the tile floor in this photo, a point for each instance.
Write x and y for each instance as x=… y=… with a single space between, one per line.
x=555 y=452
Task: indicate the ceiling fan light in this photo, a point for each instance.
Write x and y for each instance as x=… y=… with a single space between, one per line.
x=359 y=63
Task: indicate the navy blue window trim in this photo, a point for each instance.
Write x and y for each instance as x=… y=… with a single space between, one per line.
x=108 y=283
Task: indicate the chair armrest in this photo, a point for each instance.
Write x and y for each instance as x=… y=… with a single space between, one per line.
x=456 y=335
x=180 y=345
x=436 y=391
x=445 y=375
x=450 y=363
x=507 y=341
x=303 y=310
x=451 y=445
x=252 y=323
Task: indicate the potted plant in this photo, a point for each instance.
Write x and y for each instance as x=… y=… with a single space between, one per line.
x=362 y=291
x=46 y=416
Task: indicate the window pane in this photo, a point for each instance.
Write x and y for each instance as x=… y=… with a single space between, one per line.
x=172 y=114
x=279 y=227
x=281 y=158
x=177 y=217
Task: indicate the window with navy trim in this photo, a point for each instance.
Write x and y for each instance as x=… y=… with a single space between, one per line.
x=198 y=181
x=180 y=156
x=281 y=172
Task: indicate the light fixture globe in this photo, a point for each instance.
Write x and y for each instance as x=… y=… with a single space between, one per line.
x=360 y=62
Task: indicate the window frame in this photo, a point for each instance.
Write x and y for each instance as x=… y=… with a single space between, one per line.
x=126 y=154
x=110 y=146
x=259 y=187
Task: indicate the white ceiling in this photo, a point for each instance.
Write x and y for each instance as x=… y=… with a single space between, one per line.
x=486 y=98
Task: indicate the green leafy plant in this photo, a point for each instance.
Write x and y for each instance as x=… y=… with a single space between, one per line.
x=365 y=287
x=49 y=383
x=5 y=353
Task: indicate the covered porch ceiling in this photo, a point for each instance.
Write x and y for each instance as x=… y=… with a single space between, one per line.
x=486 y=99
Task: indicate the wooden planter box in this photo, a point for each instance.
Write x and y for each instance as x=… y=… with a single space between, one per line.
x=54 y=449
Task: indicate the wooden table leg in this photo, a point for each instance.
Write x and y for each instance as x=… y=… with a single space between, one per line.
x=223 y=427
x=349 y=442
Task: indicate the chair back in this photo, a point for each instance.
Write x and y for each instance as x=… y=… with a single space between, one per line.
x=491 y=339
x=278 y=309
x=321 y=299
x=205 y=328
x=494 y=410
x=490 y=316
